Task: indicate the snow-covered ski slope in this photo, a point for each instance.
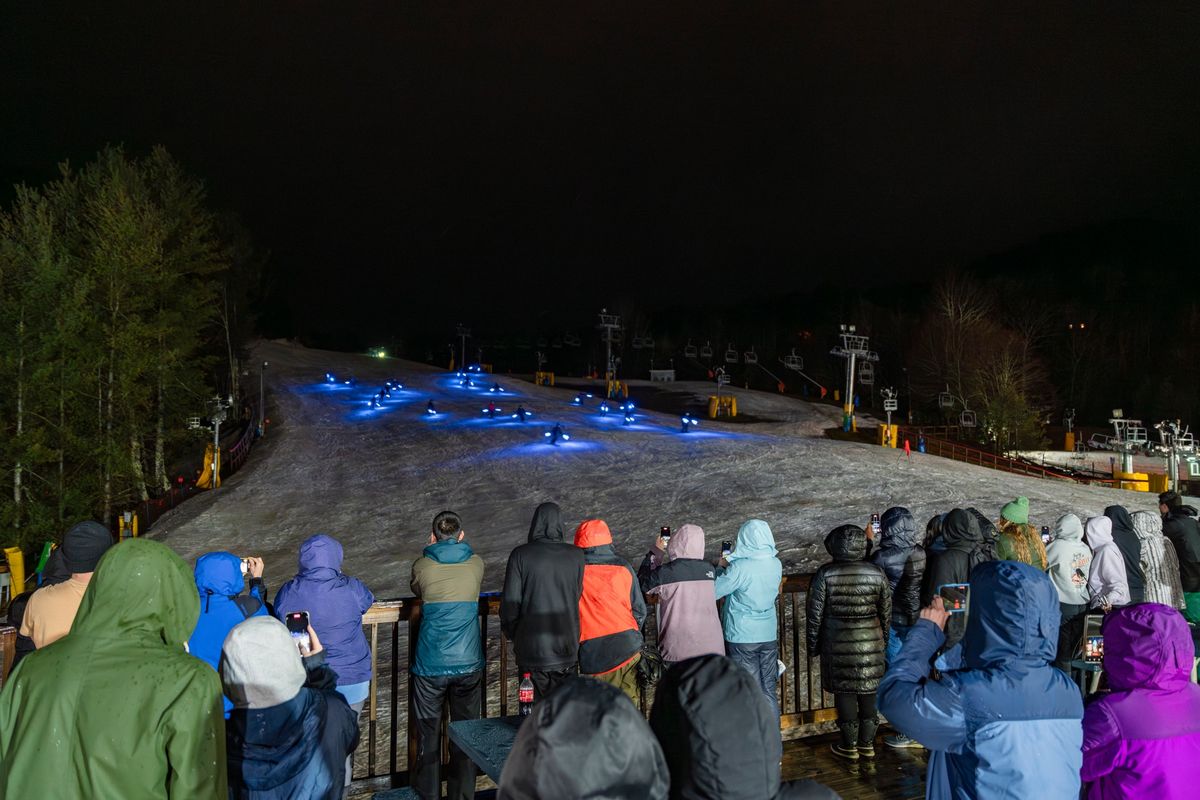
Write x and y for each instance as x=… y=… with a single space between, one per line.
x=375 y=479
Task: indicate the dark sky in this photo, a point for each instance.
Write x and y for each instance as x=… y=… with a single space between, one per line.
x=438 y=159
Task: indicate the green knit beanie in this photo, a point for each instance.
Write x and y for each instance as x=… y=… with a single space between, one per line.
x=1017 y=511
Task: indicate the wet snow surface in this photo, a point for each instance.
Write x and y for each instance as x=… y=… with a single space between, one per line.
x=375 y=479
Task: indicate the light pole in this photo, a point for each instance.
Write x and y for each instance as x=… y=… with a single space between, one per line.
x=262 y=399
x=609 y=324
x=464 y=333
x=908 y=394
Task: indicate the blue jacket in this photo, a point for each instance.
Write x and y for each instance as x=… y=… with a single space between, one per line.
x=335 y=604
x=1007 y=725
x=751 y=583
x=447 y=580
x=220 y=583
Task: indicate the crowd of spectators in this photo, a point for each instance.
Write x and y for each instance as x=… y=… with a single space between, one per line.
x=138 y=678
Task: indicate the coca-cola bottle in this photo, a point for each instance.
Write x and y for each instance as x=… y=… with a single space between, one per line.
x=525 y=695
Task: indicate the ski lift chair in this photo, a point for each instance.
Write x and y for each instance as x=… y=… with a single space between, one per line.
x=689 y=350
x=1137 y=436
x=750 y=356
x=706 y=351
x=967 y=418
x=866 y=373
x=945 y=400
x=648 y=342
x=637 y=343
x=556 y=344
x=731 y=355
x=571 y=340
x=793 y=361
x=1099 y=441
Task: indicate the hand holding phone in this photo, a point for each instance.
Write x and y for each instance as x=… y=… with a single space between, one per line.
x=1093 y=650
x=664 y=536
x=726 y=548
x=299 y=627
x=1045 y=534
x=955 y=597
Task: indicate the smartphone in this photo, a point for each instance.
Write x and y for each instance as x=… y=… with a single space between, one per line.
x=297 y=625
x=1045 y=534
x=665 y=533
x=1093 y=650
x=955 y=596
x=726 y=548
x=245 y=565
x=875 y=524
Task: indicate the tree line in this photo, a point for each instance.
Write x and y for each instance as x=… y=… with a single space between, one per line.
x=122 y=305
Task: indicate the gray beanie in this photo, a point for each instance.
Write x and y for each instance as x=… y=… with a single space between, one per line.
x=260 y=664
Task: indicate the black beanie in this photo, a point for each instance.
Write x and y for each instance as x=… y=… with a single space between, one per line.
x=83 y=545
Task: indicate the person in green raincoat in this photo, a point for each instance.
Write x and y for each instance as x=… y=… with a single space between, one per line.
x=117 y=708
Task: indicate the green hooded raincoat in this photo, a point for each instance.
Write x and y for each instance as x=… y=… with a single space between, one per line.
x=117 y=708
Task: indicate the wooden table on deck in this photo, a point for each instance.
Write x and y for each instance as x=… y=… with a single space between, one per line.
x=487 y=741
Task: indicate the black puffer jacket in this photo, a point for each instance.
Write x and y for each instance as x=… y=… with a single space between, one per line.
x=849 y=610
x=953 y=564
x=698 y=704
x=1127 y=541
x=989 y=548
x=539 y=610
x=1180 y=527
x=902 y=559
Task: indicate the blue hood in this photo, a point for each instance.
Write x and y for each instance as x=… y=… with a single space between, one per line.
x=754 y=540
x=1013 y=618
x=449 y=552
x=321 y=551
x=219 y=573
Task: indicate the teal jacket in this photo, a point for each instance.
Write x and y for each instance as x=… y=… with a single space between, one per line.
x=447 y=579
x=750 y=585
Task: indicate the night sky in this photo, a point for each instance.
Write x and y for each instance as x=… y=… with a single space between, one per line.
x=410 y=162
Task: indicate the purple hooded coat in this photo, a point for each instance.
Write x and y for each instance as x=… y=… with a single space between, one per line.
x=1143 y=739
x=335 y=604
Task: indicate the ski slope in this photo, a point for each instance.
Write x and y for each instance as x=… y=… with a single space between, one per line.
x=375 y=479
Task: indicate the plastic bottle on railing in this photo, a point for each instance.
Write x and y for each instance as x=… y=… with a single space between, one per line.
x=525 y=695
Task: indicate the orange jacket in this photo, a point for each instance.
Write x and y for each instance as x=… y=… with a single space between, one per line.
x=612 y=608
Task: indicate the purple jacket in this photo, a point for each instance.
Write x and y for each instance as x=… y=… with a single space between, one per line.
x=335 y=604
x=688 y=625
x=1143 y=740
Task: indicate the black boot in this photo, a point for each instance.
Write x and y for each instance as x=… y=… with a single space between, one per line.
x=848 y=746
x=866 y=736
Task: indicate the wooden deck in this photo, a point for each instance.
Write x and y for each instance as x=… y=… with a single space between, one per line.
x=892 y=775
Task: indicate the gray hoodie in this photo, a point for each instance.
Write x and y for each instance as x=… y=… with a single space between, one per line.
x=1106 y=580
x=1070 y=561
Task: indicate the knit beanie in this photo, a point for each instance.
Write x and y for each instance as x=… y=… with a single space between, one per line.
x=260 y=664
x=1017 y=511
x=83 y=545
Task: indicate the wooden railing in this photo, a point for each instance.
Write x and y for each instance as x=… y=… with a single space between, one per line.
x=970 y=454
x=392 y=627
x=8 y=651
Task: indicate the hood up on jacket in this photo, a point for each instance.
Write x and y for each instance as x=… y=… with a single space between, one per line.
x=754 y=540
x=898 y=529
x=1068 y=528
x=140 y=591
x=1099 y=532
x=1147 y=646
x=686 y=542
x=1121 y=520
x=988 y=531
x=698 y=706
x=960 y=531
x=220 y=574
x=1014 y=617
x=1147 y=525
x=586 y=740
x=847 y=543
x=546 y=523
x=260 y=665
x=321 y=551
x=593 y=533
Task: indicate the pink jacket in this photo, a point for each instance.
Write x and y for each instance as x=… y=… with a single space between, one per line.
x=688 y=625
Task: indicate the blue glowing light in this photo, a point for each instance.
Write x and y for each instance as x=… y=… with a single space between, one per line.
x=329 y=377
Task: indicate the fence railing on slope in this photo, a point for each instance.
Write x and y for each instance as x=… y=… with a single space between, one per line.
x=970 y=454
x=232 y=459
x=388 y=749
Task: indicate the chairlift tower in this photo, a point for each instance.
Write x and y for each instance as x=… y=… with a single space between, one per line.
x=852 y=348
x=463 y=333
x=1176 y=442
x=609 y=327
x=890 y=403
